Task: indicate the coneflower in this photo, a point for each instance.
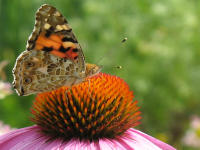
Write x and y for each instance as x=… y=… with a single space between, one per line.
x=96 y=114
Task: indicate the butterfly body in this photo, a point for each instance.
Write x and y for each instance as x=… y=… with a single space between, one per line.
x=53 y=57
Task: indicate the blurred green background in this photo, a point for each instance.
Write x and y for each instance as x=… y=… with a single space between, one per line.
x=160 y=60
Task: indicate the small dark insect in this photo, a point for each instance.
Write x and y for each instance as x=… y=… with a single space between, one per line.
x=118 y=67
x=124 y=40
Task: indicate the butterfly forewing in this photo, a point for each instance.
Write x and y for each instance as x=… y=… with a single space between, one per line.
x=53 y=34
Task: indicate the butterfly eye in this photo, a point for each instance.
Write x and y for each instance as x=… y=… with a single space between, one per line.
x=30 y=64
x=27 y=80
x=94 y=70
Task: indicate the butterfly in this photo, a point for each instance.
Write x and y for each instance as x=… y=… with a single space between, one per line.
x=53 y=56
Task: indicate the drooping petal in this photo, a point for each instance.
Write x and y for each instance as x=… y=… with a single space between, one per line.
x=4 y=128
x=32 y=138
x=144 y=141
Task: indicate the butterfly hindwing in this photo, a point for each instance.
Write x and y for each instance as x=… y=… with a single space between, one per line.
x=38 y=71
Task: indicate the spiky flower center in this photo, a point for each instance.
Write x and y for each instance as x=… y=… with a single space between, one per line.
x=102 y=106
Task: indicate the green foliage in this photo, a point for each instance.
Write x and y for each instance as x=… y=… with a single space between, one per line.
x=160 y=59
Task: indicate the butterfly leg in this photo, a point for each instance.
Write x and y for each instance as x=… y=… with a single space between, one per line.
x=89 y=92
x=102 y=78
x=70 y=87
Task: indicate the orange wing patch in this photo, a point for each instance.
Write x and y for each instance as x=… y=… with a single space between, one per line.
x=57 y=45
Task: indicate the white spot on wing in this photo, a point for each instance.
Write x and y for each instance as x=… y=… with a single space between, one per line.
x=47 y=26
x=57 y=14
x=65 y=27
x=43 y=70
x=35 y=59
x=59 y=27
x=62 y=27
x=68 y=44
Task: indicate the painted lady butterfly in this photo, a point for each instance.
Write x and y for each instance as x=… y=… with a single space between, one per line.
x=53 y=57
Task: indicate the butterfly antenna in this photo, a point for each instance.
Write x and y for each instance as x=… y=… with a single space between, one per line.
x=108 y=53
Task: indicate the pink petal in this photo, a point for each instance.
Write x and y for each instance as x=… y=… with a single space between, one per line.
x=30 y=138
x=155 y=141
